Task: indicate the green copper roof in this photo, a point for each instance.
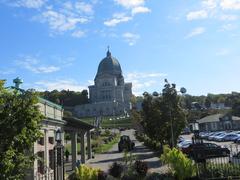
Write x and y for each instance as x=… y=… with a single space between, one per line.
x=49 y=103
x=109 y=65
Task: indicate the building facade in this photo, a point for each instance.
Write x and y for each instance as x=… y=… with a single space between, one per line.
x=219 y=122
x=44 y=148
x=110 y=95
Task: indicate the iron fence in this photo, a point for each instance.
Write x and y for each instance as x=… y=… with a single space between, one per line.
x=225 y=167
x=46 y=176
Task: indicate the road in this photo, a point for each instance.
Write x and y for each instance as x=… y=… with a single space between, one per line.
x=103 y=161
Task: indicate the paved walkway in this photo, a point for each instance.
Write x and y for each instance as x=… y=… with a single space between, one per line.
x=103 y=161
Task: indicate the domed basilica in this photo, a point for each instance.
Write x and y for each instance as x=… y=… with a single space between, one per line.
x=110 y=95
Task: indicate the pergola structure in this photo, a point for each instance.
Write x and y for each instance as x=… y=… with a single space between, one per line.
x=76 y=128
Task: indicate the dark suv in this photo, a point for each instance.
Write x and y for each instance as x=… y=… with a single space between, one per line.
x=206 y=150
x=125 y=144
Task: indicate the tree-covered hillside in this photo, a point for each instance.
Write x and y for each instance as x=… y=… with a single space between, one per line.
x=65 y=97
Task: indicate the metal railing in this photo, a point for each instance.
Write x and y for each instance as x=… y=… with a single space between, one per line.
x=221 y=167
x=46 y=176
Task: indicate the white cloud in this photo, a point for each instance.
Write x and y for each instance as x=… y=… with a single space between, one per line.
x=230 y=4
x=117 y=18
x=59 y=22
x=229 y=17
x=61 y=17
x=202 y=14
x=131 y=38
x=78 y=34
x=144 y=81
x=140 y=9
x=35 y=4
x=130 y=3
x=210 y=4
x=32 y=64
x=84 y=7
x=132 y=7
x=228 y=27
x=61 y=84
x=195 y=32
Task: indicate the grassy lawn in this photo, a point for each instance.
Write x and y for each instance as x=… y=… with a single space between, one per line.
x=107 y=123
x=68 y=147
x=106 y=147
x=100 y=149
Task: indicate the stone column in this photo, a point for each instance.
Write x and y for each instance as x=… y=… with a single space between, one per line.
x=82 y=148
x=89 y=147
x=46 y=153
x=74 y=149
x=35 y=166
x=63 y=140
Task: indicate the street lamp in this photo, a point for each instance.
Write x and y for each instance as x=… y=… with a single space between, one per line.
x=58 y=136
x=58 y=156
x=195 y=128
x=114 y=113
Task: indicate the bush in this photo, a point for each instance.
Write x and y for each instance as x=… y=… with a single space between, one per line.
x=116 y=170
x=107 y=132
x=181 y=166
x=157 y=176
x=86 y=173
x=141 y=168
x=102 y=175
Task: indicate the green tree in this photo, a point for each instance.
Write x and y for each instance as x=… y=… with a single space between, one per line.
x=163 y=117
x=19 y=128
x=236 y=108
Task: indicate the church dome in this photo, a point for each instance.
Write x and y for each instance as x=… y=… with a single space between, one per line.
x=109 y=65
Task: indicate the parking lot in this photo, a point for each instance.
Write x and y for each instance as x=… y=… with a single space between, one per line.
x=233 y=147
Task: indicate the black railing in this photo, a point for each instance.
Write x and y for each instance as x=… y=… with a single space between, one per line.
x=223 y=167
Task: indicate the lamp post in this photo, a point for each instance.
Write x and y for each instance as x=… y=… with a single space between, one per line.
x=58 y=157
x=114 y=113
x=195 y=128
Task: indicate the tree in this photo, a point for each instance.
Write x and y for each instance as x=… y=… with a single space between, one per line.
x=163 y=117
x=236 y=108
x=66 y=98
x=20 y=122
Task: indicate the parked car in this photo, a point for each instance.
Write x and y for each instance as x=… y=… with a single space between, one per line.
x=230 y=137
x=211 y=137
x=207 y=135
x=184 y=143
x=219 y=137
x=180 y=139
x=207 y=150
x=125 y=143
x=237 y=140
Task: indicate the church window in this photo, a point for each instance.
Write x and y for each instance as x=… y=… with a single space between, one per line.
x=106 y=84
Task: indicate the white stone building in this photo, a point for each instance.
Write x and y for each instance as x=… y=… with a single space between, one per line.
x=43 y=168
x=109 y=95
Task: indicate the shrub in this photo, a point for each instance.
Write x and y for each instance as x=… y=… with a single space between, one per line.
x=141 y=168
x=86 y=173
x=102 y=175
x=181 y=166
x=107 y=132
x=158 y=176
x=116 y=170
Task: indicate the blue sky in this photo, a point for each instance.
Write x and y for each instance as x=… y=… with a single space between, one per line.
x=54 y=44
